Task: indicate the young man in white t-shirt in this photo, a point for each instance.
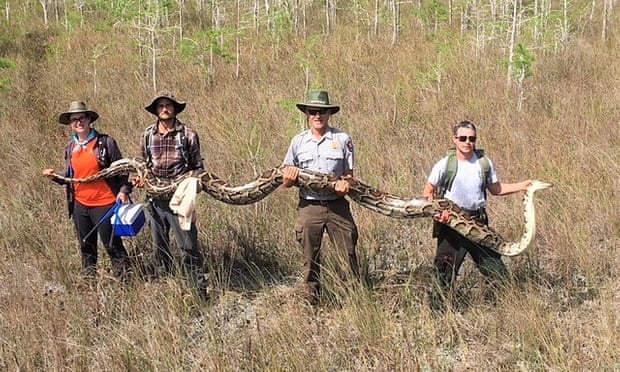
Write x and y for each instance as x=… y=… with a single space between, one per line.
x=468 y=191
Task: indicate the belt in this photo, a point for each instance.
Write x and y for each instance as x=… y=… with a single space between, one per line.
x=165 y=197
x=474 y=213
x=318 y=202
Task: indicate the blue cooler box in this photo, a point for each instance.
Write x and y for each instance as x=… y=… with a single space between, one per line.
x=128 y=220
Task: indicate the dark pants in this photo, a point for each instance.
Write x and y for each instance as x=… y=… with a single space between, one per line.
x=452 y=249
x=162 y=220
x=85 y=219
x=313 y=219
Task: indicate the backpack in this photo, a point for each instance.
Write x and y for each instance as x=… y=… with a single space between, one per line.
x=451 y=168
x=182 y=145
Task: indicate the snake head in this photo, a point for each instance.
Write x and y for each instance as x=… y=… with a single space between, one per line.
x=539 y=185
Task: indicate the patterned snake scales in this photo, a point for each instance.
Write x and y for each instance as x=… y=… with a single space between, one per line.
x=360 y=192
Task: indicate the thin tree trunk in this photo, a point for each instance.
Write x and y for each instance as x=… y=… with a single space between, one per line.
x=607 y=9
x=94 y=77
x=44 y=6
x=153 y=60
x=376 y=23
x=268 y=20
x=295 y=17
x=237 y=41
x=56 y=12
x=304 y=21
x=181 y=8
x=327 y=17
x=565 y=30
x=154 y=25
x=395 y=21
x=512 y=40
x=256 y=17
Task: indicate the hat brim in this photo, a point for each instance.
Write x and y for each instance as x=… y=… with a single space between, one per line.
x=303 y=107
x=178 y=106
x=65 y=117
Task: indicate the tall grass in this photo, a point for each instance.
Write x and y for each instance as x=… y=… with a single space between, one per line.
x=242 y=67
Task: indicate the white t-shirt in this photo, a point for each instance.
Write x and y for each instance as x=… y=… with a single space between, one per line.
x=466 y=189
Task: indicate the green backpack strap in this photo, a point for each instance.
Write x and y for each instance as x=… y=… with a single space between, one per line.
x=449 y=174
x=485 y=170
x=452 y=166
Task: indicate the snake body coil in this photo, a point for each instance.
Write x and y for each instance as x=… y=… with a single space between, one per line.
x=365 y=195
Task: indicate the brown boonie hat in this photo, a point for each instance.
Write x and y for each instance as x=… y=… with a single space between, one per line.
x=179 y=106
x=318 y=99
x=77 y=107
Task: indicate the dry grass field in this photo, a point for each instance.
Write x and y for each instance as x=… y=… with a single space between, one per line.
x=541 y=79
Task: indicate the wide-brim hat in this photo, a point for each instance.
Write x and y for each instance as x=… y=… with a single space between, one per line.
x=179 y=106
x=77 y=107
x=318 y=99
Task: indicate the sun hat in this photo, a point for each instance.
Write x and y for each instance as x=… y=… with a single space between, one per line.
x=318 y=99
x=179 y=106
x=77 y=107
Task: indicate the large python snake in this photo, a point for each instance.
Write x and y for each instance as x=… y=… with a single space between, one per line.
x=365 y=195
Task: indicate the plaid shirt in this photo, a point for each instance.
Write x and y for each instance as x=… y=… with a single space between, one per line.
x=166 y=151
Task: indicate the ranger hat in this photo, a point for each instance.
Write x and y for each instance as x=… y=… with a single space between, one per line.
x=318 y=99
x=179 y=106
x=77 y=107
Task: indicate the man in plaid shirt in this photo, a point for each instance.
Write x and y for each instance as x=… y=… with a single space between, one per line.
x=171 y=149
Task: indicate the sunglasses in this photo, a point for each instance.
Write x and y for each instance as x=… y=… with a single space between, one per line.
x=80 y=119
x=313 y=112
x=471 y=139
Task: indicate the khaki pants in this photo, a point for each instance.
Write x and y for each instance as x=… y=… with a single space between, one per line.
x=312 y=220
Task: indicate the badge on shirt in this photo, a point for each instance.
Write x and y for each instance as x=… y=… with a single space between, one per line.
x=334 y=145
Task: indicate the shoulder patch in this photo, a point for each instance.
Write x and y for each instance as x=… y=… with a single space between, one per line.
x=350 y=145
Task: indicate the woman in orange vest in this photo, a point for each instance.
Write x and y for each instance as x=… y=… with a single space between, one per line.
x=87 y=152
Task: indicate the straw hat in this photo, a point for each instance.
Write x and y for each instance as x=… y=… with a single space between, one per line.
x=77 y=107
x=179 y=106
